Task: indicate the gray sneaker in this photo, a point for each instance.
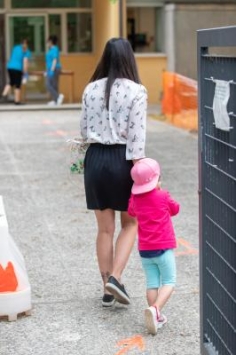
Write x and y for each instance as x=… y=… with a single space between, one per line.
x=117 y=290
x=108 y=300
x=60 y=99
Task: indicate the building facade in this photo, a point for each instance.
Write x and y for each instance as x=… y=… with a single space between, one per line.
x=83 y=27
x=169 y=27
x=161 y=32
x=182 y=20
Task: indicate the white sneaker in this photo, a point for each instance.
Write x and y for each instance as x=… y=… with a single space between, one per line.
x=60 y=99
x=154 y=320
x=51 y=103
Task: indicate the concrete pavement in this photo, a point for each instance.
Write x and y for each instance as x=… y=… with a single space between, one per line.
x=48 y=219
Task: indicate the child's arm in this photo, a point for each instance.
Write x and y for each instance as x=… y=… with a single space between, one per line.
x=131 y=207
x=173 y=205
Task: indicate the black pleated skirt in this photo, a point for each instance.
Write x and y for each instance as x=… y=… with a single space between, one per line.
x=107 y=177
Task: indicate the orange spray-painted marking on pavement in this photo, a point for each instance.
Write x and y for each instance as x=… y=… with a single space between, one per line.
x=47 y=122
x=127 y=344
x=61 y=133
x=188 y=249
x=58 y=132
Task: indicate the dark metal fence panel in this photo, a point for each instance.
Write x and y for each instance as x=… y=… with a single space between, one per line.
x=217 y=190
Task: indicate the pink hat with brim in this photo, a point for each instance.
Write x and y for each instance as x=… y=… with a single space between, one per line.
x=145 y=174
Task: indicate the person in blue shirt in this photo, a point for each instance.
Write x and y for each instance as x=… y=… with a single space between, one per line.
x=17 y=67
x=53 y=69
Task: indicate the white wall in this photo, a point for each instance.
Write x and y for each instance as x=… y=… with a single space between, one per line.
x=187 y=20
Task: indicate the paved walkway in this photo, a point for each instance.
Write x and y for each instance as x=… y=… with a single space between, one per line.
x=49 y=221
x=38 y=106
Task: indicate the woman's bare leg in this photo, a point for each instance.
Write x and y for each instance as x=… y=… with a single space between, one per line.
x=17 y=95
x=124 y=244
x=6 y=90
x=106 y=229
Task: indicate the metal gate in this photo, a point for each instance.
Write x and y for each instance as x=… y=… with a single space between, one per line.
x=217 y=189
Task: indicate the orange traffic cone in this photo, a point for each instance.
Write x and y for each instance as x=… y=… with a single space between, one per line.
x=8 y=280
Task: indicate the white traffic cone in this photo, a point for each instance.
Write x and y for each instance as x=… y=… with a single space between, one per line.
x=15 y=291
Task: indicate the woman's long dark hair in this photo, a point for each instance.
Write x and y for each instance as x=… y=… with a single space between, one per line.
x=117 y=61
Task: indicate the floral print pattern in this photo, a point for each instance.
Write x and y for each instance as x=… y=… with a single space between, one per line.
x=123 y=123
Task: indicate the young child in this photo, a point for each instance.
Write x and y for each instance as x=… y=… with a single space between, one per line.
x=153 y=208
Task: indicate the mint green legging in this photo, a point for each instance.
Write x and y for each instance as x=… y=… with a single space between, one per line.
x=160 y=270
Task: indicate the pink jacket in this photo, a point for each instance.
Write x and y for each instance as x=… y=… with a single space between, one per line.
x=153 y=211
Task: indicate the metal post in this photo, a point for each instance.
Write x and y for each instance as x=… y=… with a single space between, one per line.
x=121 y=18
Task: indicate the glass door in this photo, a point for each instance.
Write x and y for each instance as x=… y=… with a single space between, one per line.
x=2 y=52
x=33 y=28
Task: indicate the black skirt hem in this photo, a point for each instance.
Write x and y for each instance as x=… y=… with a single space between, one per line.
x=107 y=177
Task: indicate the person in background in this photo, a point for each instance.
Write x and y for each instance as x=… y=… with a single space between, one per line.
x=153 y=208
x=53 y=69
x=17 y=67
x=113 y=122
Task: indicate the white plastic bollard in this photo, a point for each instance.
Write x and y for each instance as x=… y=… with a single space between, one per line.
x=19 y=301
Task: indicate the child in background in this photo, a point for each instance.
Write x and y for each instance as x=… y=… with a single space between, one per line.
x=153 y=209
x=53 y=67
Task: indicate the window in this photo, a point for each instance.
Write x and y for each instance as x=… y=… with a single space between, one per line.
x=23 y=4
x=145 y=2
x=145 y=29
x=79 y=32
x=30 y=27
x=55 y=27
x=78 y=17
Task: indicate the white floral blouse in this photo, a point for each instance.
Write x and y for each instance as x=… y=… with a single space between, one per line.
x=124 y=123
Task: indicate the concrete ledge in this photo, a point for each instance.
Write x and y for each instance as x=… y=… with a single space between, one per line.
x=38 y=107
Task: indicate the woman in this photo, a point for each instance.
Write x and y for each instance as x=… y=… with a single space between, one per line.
x=17 y=66
x=53 y=67
x=114 y=123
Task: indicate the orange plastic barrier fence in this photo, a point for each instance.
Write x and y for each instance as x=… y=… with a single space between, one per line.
x=179 y=102
x=8 y=280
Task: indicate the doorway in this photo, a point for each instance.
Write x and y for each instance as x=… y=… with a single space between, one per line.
x=33 y=28
x=2 y=52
